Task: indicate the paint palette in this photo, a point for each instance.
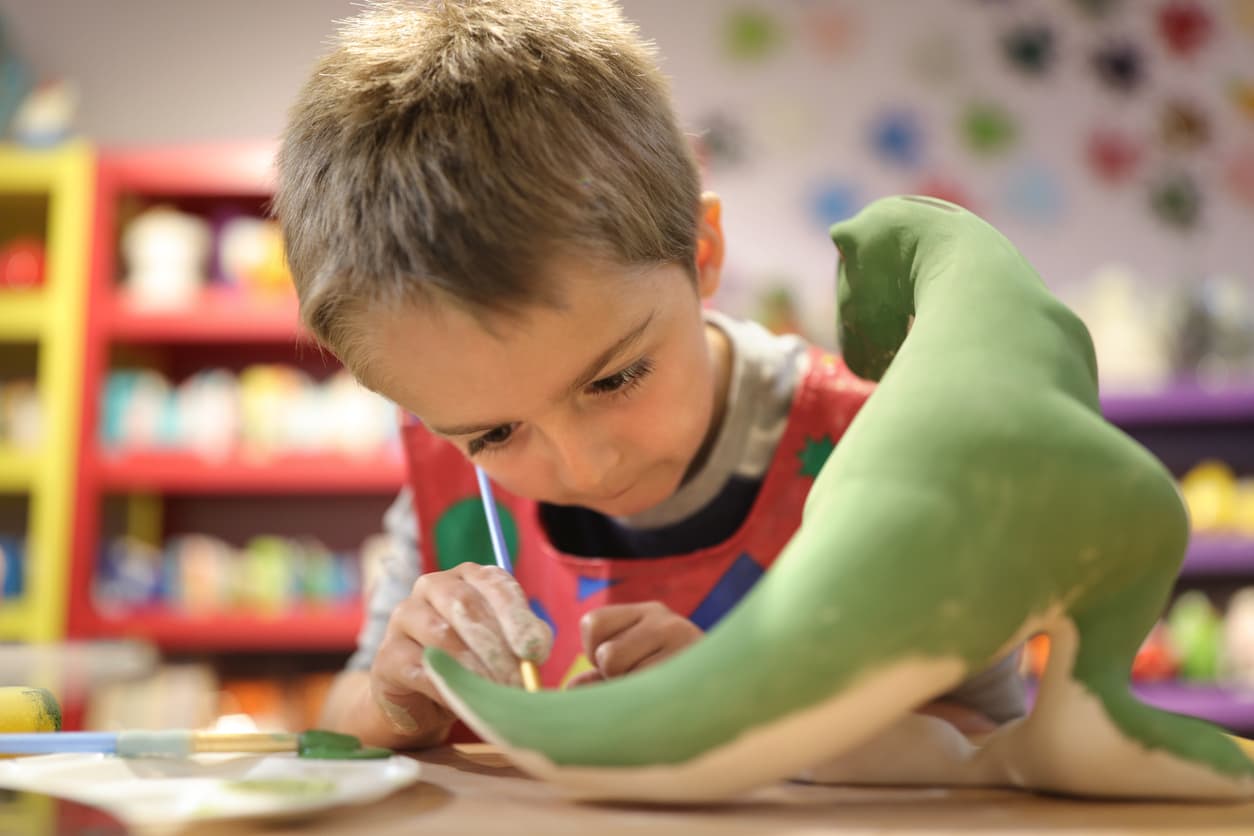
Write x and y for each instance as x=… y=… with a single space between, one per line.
x=146 y=792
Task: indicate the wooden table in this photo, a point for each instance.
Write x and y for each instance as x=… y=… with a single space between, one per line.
x=472 y=789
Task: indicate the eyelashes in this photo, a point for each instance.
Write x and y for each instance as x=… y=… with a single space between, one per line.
x=623 y=381
x=620 y=384
x=493 y=439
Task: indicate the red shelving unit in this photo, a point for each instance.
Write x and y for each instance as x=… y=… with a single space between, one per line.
x=217 y=317
x=225 y=327
x=186 y=473
x=309 y=628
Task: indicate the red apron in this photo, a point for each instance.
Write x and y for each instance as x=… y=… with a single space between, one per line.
x=702 y=585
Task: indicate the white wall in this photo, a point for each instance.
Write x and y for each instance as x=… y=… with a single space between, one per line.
x=176 y=70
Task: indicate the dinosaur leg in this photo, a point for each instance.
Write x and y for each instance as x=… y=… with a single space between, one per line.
x=1088 y=735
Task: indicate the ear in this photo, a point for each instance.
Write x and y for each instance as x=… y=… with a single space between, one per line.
x=709 y=245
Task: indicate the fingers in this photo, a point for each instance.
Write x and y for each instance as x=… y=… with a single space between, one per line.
x=527 y=636
x=622 y=638
x=463 y=607
x=602 y=624
x=478 y=615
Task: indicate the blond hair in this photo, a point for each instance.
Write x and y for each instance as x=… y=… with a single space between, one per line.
x=449 y=149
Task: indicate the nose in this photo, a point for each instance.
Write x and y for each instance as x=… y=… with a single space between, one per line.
x=584 y=463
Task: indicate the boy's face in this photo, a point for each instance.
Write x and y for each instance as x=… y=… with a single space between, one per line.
x=601 y=402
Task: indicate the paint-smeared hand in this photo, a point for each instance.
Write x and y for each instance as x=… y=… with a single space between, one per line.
x=478 y=615
x=622 y=638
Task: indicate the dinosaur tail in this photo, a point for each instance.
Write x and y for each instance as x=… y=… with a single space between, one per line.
x=812 y=662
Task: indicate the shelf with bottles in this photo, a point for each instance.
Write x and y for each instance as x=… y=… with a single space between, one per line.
x=21 y=423
x=24 y=207
x=1221 y=512
x=229 y=572
x=198 y=592
x=266 y=428
x=14 y=560
x=201 y=392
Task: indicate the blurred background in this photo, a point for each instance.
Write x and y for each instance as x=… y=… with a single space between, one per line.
x=191 y=493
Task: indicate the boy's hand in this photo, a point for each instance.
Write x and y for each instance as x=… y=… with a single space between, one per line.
x=622 y=638
x=478 y=615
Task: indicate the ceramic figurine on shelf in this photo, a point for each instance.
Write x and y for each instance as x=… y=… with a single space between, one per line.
x=250 y=251
x=1239 y=639
x=166 y=253
x=1126 y=320
x=46 y=116
x=977 y=499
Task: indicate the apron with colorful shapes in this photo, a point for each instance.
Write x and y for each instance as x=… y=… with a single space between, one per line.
x=702 y=585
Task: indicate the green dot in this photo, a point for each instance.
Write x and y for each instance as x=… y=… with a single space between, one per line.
x=988 y=128
x=751 y=35
x=461 y=534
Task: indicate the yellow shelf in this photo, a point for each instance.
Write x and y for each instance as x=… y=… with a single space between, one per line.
x=50 y=193
x=27 y=170
x=17 y=468
x=21 y=314
x=13 y=620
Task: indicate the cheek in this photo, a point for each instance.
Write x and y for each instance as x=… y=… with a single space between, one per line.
x=671 y=421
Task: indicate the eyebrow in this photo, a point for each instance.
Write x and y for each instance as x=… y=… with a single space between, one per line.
x=585 y=377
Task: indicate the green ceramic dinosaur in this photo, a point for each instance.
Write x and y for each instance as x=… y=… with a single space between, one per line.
x=978 y=498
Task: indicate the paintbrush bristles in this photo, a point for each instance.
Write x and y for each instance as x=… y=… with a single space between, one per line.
x=530 y=675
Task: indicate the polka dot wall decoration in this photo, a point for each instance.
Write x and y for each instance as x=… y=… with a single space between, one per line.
x=1112 y=156
x=751 y=35
x=1176 y=200
x=897 y=137
x=987 y=128
x=1183 y=126
x=1185 y=26
x=1119 y=66
x=1030 y=48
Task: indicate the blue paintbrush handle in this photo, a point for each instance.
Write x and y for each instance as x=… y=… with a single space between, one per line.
x=500 y=550
x=49 y=743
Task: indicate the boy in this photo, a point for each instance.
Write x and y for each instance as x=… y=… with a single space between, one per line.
x=494 y=220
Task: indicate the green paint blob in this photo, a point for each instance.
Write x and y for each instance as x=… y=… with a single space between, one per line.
x=317 y=744
x=48 y=706
x=461 y=534
x=288 y=787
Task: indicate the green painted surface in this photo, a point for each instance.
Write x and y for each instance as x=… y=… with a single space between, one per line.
x=317 y=744
x=289 y=787
x=461 y=534
x=49 y=708
x=979 y=487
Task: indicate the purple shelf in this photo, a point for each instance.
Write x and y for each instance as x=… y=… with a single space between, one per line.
x=1218 y=555
x=1180 y=403
x=1228 y=707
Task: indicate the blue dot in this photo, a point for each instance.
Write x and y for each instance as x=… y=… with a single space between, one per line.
x=897 y=137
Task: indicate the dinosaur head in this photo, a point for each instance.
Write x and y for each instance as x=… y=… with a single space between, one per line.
x=876 y=278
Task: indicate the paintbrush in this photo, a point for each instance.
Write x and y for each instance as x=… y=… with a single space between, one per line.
x=181 y=743
x=526 y=667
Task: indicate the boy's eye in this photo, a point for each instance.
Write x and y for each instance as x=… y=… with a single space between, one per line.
x=493 y=438
x=623 y=380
